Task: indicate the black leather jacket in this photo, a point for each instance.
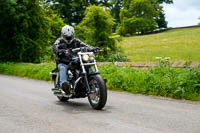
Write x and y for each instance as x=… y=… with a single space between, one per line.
x=60 y=45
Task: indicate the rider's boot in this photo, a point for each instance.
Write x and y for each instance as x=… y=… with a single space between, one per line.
x=65 y=88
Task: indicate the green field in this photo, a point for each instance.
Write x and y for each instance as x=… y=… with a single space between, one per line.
x=179 y=44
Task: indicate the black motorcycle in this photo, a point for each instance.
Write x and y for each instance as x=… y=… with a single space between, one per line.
x=84 y=77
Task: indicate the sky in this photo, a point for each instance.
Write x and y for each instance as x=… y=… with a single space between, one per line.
x=182 y=13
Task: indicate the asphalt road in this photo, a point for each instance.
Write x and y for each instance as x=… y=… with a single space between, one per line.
x=28 y=106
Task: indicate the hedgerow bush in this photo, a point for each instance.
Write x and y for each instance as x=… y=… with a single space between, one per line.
x=34 y=71
x=179 y=83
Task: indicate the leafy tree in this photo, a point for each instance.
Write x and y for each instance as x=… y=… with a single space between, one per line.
x=55 y=24
x=138 y=16
x=160 y=20
x=26 y=30
x=97 y=26
x=162 y=23
x=55 y=21
x=72 y=11
x=115 y=6
x=165 y=1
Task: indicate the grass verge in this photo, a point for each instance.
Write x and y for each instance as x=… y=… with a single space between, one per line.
x=34 y=71
x=179 y=83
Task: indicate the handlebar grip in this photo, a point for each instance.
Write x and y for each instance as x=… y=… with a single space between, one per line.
x=100 y=50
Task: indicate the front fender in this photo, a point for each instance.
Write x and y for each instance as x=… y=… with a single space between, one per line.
x=96 y=73
x=93 y=73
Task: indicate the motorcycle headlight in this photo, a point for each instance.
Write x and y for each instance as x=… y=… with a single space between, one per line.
x=86 y=57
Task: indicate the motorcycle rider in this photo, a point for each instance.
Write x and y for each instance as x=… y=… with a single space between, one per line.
x=61 y=48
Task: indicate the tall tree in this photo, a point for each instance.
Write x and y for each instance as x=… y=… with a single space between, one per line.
x=138 y=16
x=161 y=21
x=97 y=26
x=72 y=11
x=165 y=1
x=115 y=6
x=25 y=30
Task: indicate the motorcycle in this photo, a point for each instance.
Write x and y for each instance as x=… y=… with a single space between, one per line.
x=84 y=81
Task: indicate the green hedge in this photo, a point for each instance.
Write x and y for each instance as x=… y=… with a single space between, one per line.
x=34 y=71
x=179 y=83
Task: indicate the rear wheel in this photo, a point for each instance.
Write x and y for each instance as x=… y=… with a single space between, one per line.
x=61 y=98
x=98 y=95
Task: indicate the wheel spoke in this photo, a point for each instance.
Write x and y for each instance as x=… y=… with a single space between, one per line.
x=95 y=95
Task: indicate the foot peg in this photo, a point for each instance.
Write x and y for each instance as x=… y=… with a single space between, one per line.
x=60 y=92
x=54 y=89
x=56 y=92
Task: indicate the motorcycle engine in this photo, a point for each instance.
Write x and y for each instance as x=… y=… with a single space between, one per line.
x=70 y=74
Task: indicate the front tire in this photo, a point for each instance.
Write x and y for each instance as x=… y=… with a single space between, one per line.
x=61 y=98
x=98 y=95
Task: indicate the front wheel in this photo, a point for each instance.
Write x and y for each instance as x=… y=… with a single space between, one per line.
x=98 y=95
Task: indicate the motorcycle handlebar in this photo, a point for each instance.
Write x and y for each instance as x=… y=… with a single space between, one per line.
x=76 y=49
x=96 y=50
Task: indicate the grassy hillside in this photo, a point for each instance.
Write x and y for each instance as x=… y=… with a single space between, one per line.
x=179 y=44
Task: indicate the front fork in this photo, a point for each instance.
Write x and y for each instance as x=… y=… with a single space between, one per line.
x=85 y=73
x=87 y=83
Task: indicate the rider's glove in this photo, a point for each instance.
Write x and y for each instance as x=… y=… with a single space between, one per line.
x=90 y=48
x=97 y=48
x=67 y=53
x=63 y=52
